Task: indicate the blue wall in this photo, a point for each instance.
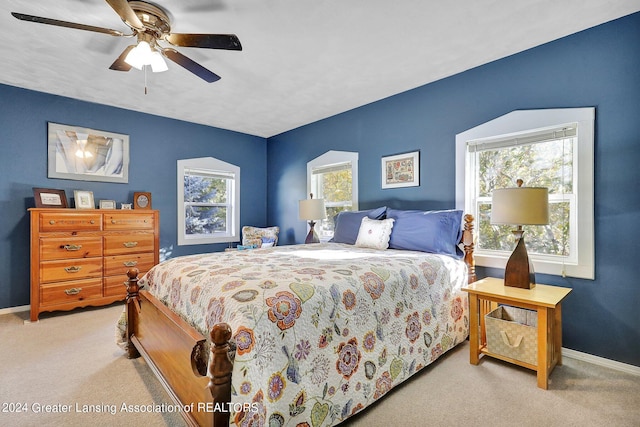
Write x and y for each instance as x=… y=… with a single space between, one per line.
x=598 y=67
x=155 y=145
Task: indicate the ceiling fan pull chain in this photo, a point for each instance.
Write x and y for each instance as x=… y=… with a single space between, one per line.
x=145 y=79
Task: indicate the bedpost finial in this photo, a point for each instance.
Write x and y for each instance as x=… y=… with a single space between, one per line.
x=132 y=273
x=220 y=334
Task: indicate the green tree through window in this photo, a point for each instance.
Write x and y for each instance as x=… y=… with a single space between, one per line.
x=545 y=164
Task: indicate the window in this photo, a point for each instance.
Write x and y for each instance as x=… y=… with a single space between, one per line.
x=334 y=178
x=546 y=148
x=208 y=201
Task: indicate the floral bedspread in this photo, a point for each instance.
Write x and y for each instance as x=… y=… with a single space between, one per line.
x=323 y=330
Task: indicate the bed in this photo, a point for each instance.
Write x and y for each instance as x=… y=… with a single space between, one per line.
x=303 y=333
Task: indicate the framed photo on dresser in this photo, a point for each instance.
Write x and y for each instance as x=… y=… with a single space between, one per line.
x=107 y=204
x=49 y=198
x=84 y=199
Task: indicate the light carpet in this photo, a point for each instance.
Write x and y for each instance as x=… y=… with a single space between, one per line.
x=70 y=362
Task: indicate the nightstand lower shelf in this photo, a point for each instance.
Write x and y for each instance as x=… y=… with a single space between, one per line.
x=486 y=294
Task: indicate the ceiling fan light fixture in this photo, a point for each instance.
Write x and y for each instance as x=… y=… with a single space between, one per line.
x=142 y=55
x=139 y=56
x=158 y=63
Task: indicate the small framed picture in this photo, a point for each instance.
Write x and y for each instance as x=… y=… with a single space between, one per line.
x=49 y=198
x=401 y=170
x=141 y=200
x=84 y=199
x=107 y=204
x=126 y=206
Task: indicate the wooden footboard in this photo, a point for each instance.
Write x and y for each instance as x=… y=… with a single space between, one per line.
x=176 y=352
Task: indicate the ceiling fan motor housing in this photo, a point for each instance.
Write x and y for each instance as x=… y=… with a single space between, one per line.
x=154 y=19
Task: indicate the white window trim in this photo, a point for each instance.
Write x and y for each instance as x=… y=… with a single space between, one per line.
x=331 y=158
x=522 y=121
x=213 y=164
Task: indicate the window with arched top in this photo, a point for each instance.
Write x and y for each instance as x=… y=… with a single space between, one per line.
x=208 y=201
x=333 y=177
x=550 y=148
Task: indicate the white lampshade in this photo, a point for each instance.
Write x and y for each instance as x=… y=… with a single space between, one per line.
x=520 y=206
x=312 y=209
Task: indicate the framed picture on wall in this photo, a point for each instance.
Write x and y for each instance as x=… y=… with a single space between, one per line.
x=86 y=154
x=401 y=170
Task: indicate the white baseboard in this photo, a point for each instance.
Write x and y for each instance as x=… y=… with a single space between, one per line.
x=14 y=309
x=601 y=361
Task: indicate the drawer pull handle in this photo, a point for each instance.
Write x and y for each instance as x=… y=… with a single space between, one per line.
x=73 y=291
x=93 y=221
x=113 y=221
x=130 y=263
x=130 y=244
x=72 y=247
x=73 y=269
x=51 y=222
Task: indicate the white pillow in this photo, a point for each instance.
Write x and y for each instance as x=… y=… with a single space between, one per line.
x=374 y=233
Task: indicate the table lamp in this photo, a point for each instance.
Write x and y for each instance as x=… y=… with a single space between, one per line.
x=311 y=210
x=520 y=206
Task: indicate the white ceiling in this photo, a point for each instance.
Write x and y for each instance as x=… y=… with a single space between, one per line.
x=302 y=60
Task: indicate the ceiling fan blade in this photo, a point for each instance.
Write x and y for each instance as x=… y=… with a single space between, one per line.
x=210 y=41
x=119 y=64
x=194 y=67
x=40 y=20
x=126 y=13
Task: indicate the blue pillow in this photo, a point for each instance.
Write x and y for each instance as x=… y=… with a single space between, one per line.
x=437 y=232
x=347 y=224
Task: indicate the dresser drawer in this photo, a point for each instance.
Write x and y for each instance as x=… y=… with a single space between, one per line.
x=70 y=269
x=128 y=221
x=70 y=247
x=128 y=243
x=119 y=265
x=69 y=292
x=114 y=286
x=73 y=221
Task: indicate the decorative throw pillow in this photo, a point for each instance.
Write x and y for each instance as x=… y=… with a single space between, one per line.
x=347 y=224
x=374 y=233
x=437 y=232
x=255 y=235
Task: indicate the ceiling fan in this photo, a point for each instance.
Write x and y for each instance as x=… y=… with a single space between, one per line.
x=150 y=24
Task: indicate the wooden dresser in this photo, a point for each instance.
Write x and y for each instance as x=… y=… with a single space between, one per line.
x=81 y=257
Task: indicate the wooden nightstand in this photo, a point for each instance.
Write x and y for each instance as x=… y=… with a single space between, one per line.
x=486 y=294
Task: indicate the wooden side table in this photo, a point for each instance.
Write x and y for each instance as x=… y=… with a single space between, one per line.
x=486 y=294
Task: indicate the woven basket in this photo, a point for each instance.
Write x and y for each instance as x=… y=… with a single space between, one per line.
x=513 y=332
